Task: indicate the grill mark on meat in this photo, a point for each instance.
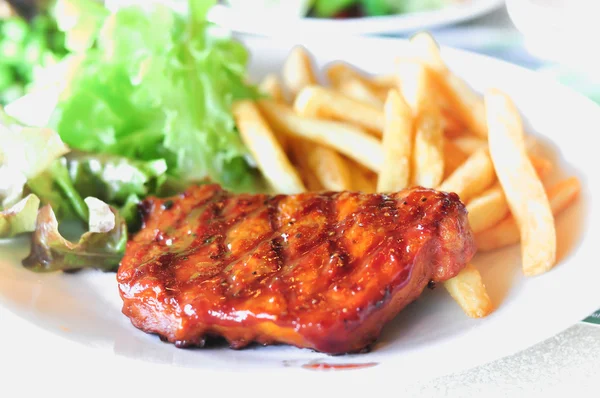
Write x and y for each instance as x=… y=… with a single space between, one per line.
x=338 y=249
x=280 y=293
x=276 y=239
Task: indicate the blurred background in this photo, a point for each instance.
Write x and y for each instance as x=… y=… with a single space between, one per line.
x=553 y=37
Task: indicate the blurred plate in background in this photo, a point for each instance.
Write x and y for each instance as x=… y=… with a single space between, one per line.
x=261 y=22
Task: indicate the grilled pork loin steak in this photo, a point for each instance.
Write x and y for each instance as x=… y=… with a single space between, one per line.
x=318 y=270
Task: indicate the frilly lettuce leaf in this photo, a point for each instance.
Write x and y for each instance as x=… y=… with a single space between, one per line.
x=114 y=178
x=19 y=218
x=25 y=152
x=159 y=85
x=55 y=187
x=102 y=247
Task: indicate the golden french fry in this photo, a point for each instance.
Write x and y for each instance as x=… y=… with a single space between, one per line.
x=542 y=166
x=414 y=81
x=339 y=72
x=465 y=101
x=397 y=144
x=320 y=102
x=506 y=233
x=363 y=180
x=452 y=126
x=469 y=144
x=271 y=86
x=329 y=167
x=265 y=149
x=300 y=160
x=298 y=71
x=487 y=209
x=474 y=176
x=349 y=140
x=360 y=91
x=385 y=81
x=469 y=291
x=310 y=180
x=428 y=151
x=453 y=158
x=522 y=186
x=491 y=207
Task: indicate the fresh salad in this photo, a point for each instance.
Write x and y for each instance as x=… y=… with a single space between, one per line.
x=342 y=8
x=146 y=110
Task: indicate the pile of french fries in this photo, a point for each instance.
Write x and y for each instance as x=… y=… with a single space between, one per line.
x=422 y=125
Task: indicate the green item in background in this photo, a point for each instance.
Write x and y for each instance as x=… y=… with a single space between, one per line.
x=331 y=8
x=25 y=47
x=582 y=81
x=594 y=318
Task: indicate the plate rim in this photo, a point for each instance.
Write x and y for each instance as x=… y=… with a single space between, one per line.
x=373 y=25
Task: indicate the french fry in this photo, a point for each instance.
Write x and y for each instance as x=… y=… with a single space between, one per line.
x=329 y=167
x=428 y=151
x=474 y=176
x=522 y=186
x=506 y=233
x=397 y=144
x=339 y=72
x=320 y=102
x=542 y=166
x=415 y=84
x=385 y=81
x=344 y=138
x=271 y=86
x=469 y=291
x=453 y=157
x=363 y=180
x=298 y=157
x=452 y=126
x=467 y=180
x=491 y=207
x=466 y=102
x=265 y=149
x=298 y=71
x=360 y=91
x=469 y=144
x=487 y=209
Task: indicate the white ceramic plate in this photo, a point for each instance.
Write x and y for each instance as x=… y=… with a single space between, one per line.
x=261 y=23
x=70 y=324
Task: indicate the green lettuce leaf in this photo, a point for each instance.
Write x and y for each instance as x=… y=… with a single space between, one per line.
x=102 y=247
x=112 y=178
x=19 y=218
x=160 y=86
x=25 y=153
x=55 y=187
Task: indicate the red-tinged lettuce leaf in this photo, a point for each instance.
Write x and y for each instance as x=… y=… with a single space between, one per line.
x=102 y=247
x=20 y=218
